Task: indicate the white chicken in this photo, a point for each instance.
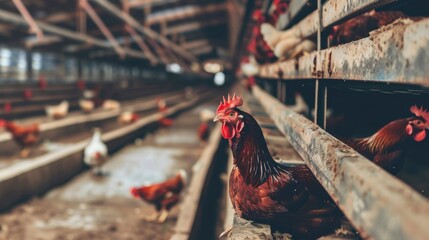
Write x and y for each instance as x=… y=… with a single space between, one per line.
x=86 y=105
x=286 y=44
x=57 y=111
x=128 y=117
x=95 y=153
x=110 y=104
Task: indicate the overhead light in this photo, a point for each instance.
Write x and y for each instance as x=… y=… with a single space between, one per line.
x=219 y=79
x=174 y=68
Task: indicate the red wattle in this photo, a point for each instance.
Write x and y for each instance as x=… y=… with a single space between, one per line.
x=228 y=132
x=420 y=136
x=409 y=129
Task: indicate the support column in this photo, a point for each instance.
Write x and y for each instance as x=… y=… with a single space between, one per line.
x=29 y=60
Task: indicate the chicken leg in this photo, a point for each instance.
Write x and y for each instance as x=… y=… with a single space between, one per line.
x=154 y=216
x=25 y=152
x=163 y=216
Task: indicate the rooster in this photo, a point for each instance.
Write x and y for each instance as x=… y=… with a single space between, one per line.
x=27 y=94
x=24 y=136
x=287 y=197
x=57 y=111
x=164 y=195
x=385 y=148
x=43 y=84
x=80 y=84
x=7 y=107
x=95 y=153
x=162 y=107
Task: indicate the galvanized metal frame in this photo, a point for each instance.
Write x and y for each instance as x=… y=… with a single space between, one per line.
x=379 y=205
x=394 y=47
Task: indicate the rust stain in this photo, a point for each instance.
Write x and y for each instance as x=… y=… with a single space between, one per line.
x=330 y=63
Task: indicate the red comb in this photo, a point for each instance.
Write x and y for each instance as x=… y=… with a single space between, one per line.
x=420 y=112
x=230 y=103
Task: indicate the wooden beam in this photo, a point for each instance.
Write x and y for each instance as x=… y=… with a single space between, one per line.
x=193 y=26
x=140 y=42
x=184 y=12
x=144 y=30
x=19 y=20
x=148 y=3
x=46 y=40
x=59 y=17
x=34 y=28
x=103 y=28
x=195 y=44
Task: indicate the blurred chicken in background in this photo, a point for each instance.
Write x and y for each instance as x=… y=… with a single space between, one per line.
x=164 y=196
x=128 y=117
x=95 y=153
x=25 y=136
x=110 y=104
x=57 y=111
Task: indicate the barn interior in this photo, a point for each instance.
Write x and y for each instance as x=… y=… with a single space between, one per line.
x=214 y=119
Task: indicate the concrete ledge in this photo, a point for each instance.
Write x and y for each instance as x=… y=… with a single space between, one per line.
x=191 y=202
x=53 y=129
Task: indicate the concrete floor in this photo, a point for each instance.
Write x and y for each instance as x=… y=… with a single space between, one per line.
x=90 y=207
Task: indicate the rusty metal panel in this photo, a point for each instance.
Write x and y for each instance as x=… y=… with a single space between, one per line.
x=337 y=10
x=333 y=12
x=379 y=205
x=395 y=53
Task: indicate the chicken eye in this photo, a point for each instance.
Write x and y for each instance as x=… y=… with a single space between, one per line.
x=231 y=114
x=418 y=122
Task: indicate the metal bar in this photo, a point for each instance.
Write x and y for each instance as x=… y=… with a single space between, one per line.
x=320 y=88
x=17 y=19
x=145 y=30
x=402 y=47
x=320 y=104
x=376 y=203
x=34 y=28
x=103 y=28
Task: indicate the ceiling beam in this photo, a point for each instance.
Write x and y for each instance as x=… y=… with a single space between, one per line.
x=29 y=19
x=103 y=28
x=19 y=20
x=202 y=50
x=140 y=42
x=46 y=40
x=59 y=17
x=193 y=26
x=146 y=3
x=195 y=44
x=183 y=12
x=145 y=30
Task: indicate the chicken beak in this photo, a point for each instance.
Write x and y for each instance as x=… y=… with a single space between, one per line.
x=217 y=118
